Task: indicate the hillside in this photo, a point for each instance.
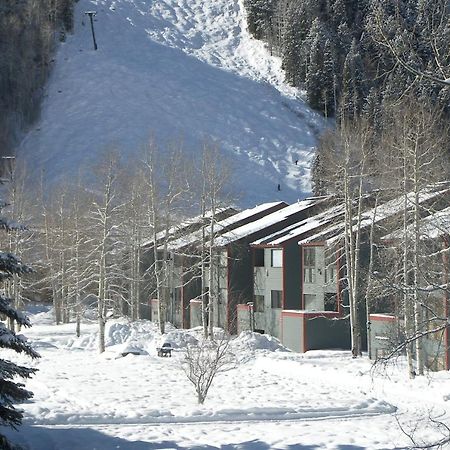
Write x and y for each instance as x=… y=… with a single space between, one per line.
x=176 y=70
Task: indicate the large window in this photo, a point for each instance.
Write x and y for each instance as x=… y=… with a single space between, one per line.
x=330 y=266
x=330 y=275
x=258 y=303
x=258 y=257
x=309 y=275
x=330 y=301
x=275 y=299
x=276 y=258
x=309 y=264
x=309 y=256
x=310 y=302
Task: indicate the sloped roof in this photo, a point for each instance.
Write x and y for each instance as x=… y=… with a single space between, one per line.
x=431 y=227
x=266 y=222
x=375 y=215
x=224 y=225
x=299 y=229
x=192 y=222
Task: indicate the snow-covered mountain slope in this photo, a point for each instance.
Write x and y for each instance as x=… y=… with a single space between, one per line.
x=176 y=70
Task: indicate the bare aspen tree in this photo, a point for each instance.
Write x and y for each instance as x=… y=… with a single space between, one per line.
x=420 y=150
x=348 y=159
x=49 y=251
x=135 y=231
x=167 y=186
x=104 y=210
x=215 y=176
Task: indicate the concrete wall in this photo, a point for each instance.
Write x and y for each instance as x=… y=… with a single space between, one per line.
x=383 y=332
x=267 y=279
x=303 y=331
x=292 y=335
x=267 y=322
x=195 y=313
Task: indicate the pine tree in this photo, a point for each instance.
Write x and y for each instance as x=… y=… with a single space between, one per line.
x=11 y=391
x=352 y=84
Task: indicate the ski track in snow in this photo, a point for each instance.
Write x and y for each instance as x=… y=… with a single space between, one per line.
x=183 y=70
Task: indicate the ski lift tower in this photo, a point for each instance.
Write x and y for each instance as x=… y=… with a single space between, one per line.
x=91 y=15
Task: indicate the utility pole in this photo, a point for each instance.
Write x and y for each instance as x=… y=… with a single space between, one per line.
x=91 y=15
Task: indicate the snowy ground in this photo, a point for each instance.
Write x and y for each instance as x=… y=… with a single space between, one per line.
x=180 y=70
x=272 y=399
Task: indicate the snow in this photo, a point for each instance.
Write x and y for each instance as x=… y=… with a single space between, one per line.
x=186 y=224
x=176 y=70
x=375 y=215
x=264 y=222
x=431 y=227
x=305 y=226
x=272 y=399
x=232 y=221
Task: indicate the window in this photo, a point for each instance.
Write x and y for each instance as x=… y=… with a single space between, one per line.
x=330 y=266
x=310 y=302
x=275 y=299
x=330 y=274
x=276 y=258
x=258 y=303
x=258 y=257
x=330 y=301
x=309 y=256
x=309 y=275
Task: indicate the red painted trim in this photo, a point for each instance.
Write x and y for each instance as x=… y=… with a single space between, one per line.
x=315 y=244
x=241 y=306
x=382 y=318
x=309 y=314
x=182 y=299
x=283 y=283
x=305 y=339
x=302 y=281
x=445 y=261
x=339 y=284
x=228 y=287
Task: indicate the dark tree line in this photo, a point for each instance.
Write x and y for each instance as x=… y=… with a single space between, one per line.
x=351 y=56
x=29 y=31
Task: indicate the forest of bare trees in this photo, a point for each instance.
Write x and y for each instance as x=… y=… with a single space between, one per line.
x=86 y=242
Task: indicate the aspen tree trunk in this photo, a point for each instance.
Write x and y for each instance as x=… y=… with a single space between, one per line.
x=203 y=275
x=409 y=329
x=349 y=256
x=212 y=266
x=418 y=316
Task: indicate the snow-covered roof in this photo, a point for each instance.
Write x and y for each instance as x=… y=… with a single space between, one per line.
x=223 y=225
x=431 y=227
x=332 y=234
x=196 y=220
x=265 y=222
x=299 y=229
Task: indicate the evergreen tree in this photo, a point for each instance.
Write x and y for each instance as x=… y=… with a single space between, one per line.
x=352 y=84
x=11 y=391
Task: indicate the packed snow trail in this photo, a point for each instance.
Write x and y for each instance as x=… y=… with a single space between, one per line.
x=177 y=70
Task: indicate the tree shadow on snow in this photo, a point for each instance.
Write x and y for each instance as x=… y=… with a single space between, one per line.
x=41 y=438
